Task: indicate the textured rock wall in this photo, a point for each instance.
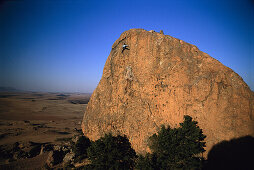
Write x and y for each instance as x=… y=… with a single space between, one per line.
x=157 y=81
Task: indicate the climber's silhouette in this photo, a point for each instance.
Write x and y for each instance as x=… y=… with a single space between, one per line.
x=125 y=47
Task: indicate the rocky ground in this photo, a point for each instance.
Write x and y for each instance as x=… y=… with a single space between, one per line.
x=38 y=130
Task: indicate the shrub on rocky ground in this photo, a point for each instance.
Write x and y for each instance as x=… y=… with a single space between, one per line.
x=80 y=147
x=55 y=157
x=34 y=151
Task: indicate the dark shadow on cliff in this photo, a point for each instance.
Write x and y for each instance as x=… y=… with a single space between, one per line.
x=235 y=154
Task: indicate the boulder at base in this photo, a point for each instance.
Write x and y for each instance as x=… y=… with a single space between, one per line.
x=157 y=80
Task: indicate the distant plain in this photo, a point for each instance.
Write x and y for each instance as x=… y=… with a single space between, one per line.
x=27 y=117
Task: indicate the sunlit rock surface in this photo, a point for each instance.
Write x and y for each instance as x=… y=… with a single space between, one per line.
x=158 y=80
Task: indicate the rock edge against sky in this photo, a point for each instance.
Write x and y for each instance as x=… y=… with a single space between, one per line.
x=158 y=80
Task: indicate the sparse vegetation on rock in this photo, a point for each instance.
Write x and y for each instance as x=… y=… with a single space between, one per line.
x=80 y=147
x=55 y=157
x=35 y=150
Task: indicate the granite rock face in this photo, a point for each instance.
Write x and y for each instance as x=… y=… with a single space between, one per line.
x=158 y=80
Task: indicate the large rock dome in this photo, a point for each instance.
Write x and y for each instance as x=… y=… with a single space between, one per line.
x=157 y=80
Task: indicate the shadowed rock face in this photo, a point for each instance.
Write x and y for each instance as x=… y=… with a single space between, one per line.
x=158 y=80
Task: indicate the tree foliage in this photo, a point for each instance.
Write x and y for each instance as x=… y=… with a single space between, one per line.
x=177 y=147
x=81 y=146
x=147 y=162
x=111 y=152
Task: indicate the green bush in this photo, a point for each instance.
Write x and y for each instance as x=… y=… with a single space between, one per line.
x=177 y=148
x=147 y=162
x=111 y=152
x=81 y=146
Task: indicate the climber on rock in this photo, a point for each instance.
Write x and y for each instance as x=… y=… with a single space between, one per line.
x=125 y=47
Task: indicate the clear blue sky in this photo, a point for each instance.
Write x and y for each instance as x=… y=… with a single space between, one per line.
x=63 y=45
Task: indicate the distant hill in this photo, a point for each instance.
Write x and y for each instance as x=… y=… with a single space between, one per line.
x=10 y=89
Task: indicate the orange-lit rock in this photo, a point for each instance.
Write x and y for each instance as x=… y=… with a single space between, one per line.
x=156 y=81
